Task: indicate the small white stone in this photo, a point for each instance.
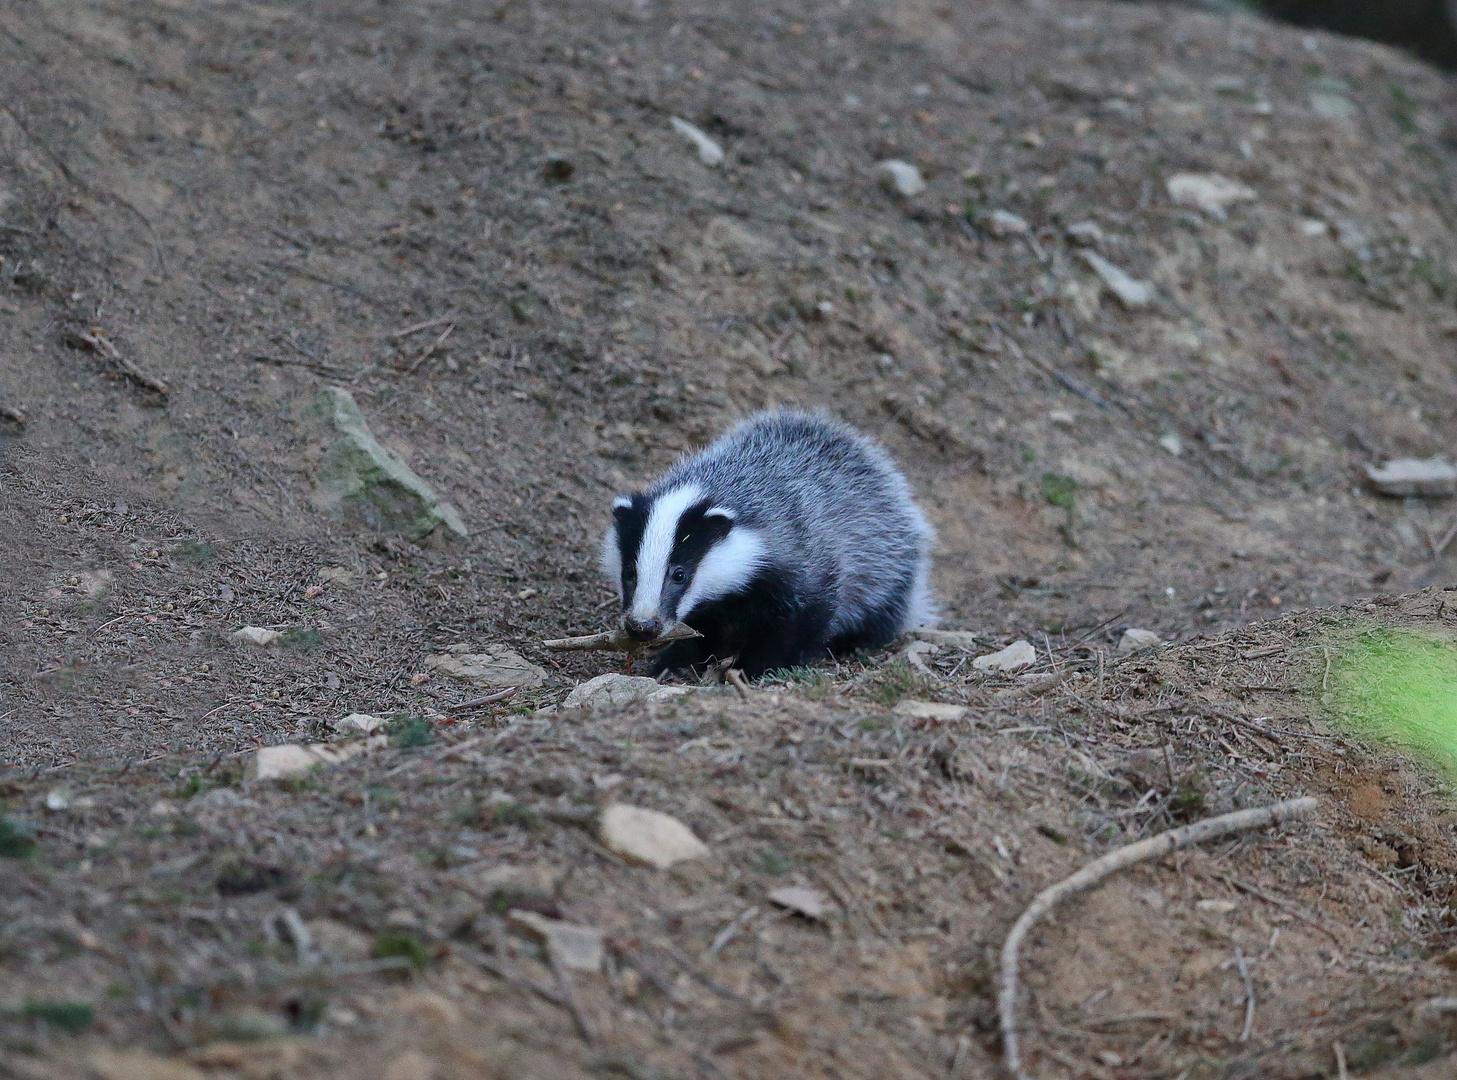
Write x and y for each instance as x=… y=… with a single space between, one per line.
x=1171 y=442
x=612 y=690
x=1014 y=657
x=58 y=799
x=1209 y=192
x=295 y=759
x=1063 y=418
x=339 y=943
x=1310 y=227
x=709 y=152
x=1006 y=223
x=901 y=177
x=1409 y=476
x=257 y=635
x=930 y=710
x=649 y=837
x=1331 y=106
x=281 y=762
x=951 y=639
x=1134 y=639
x=1085 y=234
x=1216 y=907
x=579 y=948
x=341 y=576
x=811 y=903
x=359 y=722
x=1131 y=292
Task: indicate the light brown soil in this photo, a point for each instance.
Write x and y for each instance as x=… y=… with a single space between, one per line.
x=250 y=201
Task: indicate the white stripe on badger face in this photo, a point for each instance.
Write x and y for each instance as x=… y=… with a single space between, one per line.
x=729 y=565
x=657 y=548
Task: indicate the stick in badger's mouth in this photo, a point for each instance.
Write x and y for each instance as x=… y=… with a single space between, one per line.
x=621 y=641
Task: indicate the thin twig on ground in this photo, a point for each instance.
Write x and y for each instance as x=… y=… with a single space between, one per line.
x=97 y=342
x=521 y=982
x=417 y=327
x=318 y=367
x=1442 y=544
x=735 y=678
x=11 y=413
x=430 y=349
x=1244 y=974
x=482 y=702
x=569 y=998
x=1099 y=869
x=1275 y=901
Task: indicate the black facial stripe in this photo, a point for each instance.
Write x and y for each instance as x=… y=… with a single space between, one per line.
x=696 y=535
x=631 y=522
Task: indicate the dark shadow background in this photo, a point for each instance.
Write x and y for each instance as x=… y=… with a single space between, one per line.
x=1426 y=27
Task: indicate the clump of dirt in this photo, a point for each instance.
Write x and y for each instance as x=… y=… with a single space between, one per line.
x=485 y=225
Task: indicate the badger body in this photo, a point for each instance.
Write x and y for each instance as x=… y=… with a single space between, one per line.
x=790 y=538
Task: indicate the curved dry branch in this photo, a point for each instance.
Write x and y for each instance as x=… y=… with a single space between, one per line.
x=1153 y=848
x=621 y=641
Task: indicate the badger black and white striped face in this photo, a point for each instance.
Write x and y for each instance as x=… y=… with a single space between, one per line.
x=675 y=552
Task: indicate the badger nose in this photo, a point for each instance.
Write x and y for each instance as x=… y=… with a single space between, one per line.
x=642 y=629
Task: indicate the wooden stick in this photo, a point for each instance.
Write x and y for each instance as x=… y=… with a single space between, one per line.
x=567 y=990
x=1244 y=974
x=100 y=344
x=1441 y=545
x=481 y=702
x=621 y=641
x=429 y=350
x=1096 y=871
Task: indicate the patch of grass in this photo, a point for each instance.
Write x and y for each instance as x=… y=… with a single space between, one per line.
x=17 y=840
x=509 y=813
x=400 y=943
x=72 y=1017
x=811 y=682
x=775 y=862
x=1402 y=109
x=1400 y=685
x=196 y=552
x=870 y=723
x=195 y=785
x=411 y=731
x=1378 y=1043
x=1187 y=802
x=1060 y=491
x=893 y=682
x=302 y=639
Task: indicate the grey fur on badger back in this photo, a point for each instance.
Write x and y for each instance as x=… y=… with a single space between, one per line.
x=790 y=538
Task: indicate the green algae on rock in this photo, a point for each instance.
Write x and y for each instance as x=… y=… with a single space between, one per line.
x=363 y=481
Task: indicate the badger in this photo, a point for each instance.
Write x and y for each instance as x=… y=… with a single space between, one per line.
x=790 y=538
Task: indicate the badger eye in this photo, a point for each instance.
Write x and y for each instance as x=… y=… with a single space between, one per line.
x=678 y=575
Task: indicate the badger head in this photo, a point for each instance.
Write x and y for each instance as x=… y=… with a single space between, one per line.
x=675 y=552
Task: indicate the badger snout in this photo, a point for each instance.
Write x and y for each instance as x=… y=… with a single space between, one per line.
x=642 y=629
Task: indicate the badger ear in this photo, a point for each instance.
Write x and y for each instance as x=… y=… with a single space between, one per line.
x=721 y=512
x=624 y=509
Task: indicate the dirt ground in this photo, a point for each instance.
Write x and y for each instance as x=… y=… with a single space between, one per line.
x=481 y=221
